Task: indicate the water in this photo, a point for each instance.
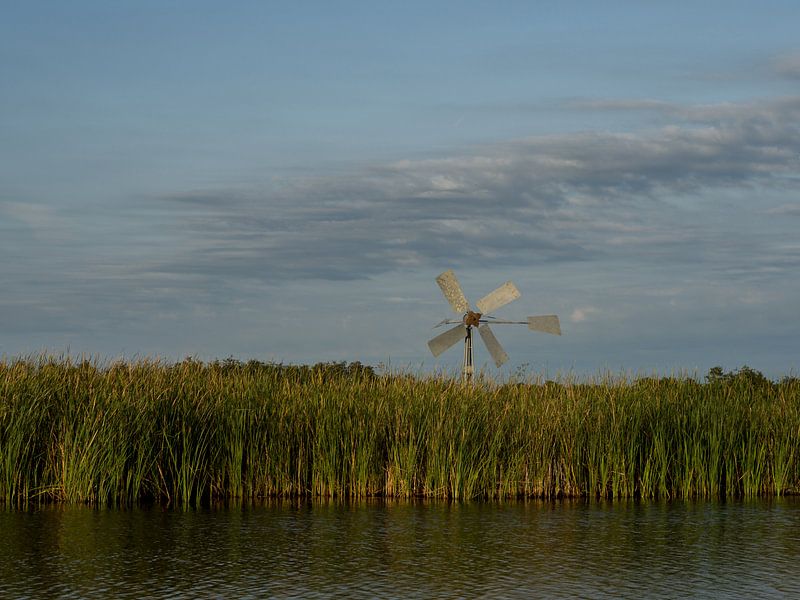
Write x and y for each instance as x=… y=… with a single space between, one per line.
x=407 y=549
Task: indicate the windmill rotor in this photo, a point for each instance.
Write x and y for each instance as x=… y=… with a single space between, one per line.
x=480 y=319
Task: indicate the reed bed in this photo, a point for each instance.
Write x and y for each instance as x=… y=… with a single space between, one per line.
x=189 y=433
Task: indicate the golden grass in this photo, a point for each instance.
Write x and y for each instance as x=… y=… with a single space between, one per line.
x=190 y=432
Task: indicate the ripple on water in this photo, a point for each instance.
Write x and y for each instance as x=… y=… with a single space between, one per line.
x=408 y=549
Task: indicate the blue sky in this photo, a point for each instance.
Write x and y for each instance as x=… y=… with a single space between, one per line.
x=284 y=182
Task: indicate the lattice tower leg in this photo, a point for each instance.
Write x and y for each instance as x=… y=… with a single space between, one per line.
x=468 y=364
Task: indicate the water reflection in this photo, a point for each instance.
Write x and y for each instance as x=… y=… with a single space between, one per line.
x=426 y=549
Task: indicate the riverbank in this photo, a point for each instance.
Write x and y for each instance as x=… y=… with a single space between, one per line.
x=188 y=432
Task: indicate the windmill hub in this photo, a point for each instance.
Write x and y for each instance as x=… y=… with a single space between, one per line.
x=472 y=319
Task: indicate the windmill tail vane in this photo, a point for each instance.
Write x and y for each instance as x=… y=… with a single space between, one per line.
x=481 y=319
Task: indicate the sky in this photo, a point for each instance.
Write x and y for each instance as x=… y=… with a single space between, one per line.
x=284 y=181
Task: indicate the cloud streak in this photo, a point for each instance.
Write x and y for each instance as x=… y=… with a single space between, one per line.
x=571 y=197
x=788 y=65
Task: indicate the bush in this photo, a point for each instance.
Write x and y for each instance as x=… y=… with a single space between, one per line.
x=743 y=375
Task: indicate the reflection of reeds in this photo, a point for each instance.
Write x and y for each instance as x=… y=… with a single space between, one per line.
x=189 y=432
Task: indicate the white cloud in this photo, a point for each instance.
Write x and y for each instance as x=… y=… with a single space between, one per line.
x=579 y=315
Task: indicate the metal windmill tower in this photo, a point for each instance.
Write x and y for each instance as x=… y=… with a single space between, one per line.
x=506 y=293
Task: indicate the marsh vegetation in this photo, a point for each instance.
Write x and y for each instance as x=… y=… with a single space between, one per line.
x=191 y=432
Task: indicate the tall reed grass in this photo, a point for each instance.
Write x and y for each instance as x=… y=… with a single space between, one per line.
x=190 y=432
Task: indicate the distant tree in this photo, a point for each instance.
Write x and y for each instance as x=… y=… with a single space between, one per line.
x=743 y=375
x=715 y=375
x=751 y=376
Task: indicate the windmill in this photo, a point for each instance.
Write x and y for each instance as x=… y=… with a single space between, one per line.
x=506 y=293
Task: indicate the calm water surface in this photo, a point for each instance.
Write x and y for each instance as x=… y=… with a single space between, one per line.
x=407 y=549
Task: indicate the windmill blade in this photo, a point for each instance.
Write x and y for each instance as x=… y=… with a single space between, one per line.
x=451 y=322
x=443 y=341
x=545 y=323
x=492 y=345
x=506 y=293
x=452 y=291
x=494 y=321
